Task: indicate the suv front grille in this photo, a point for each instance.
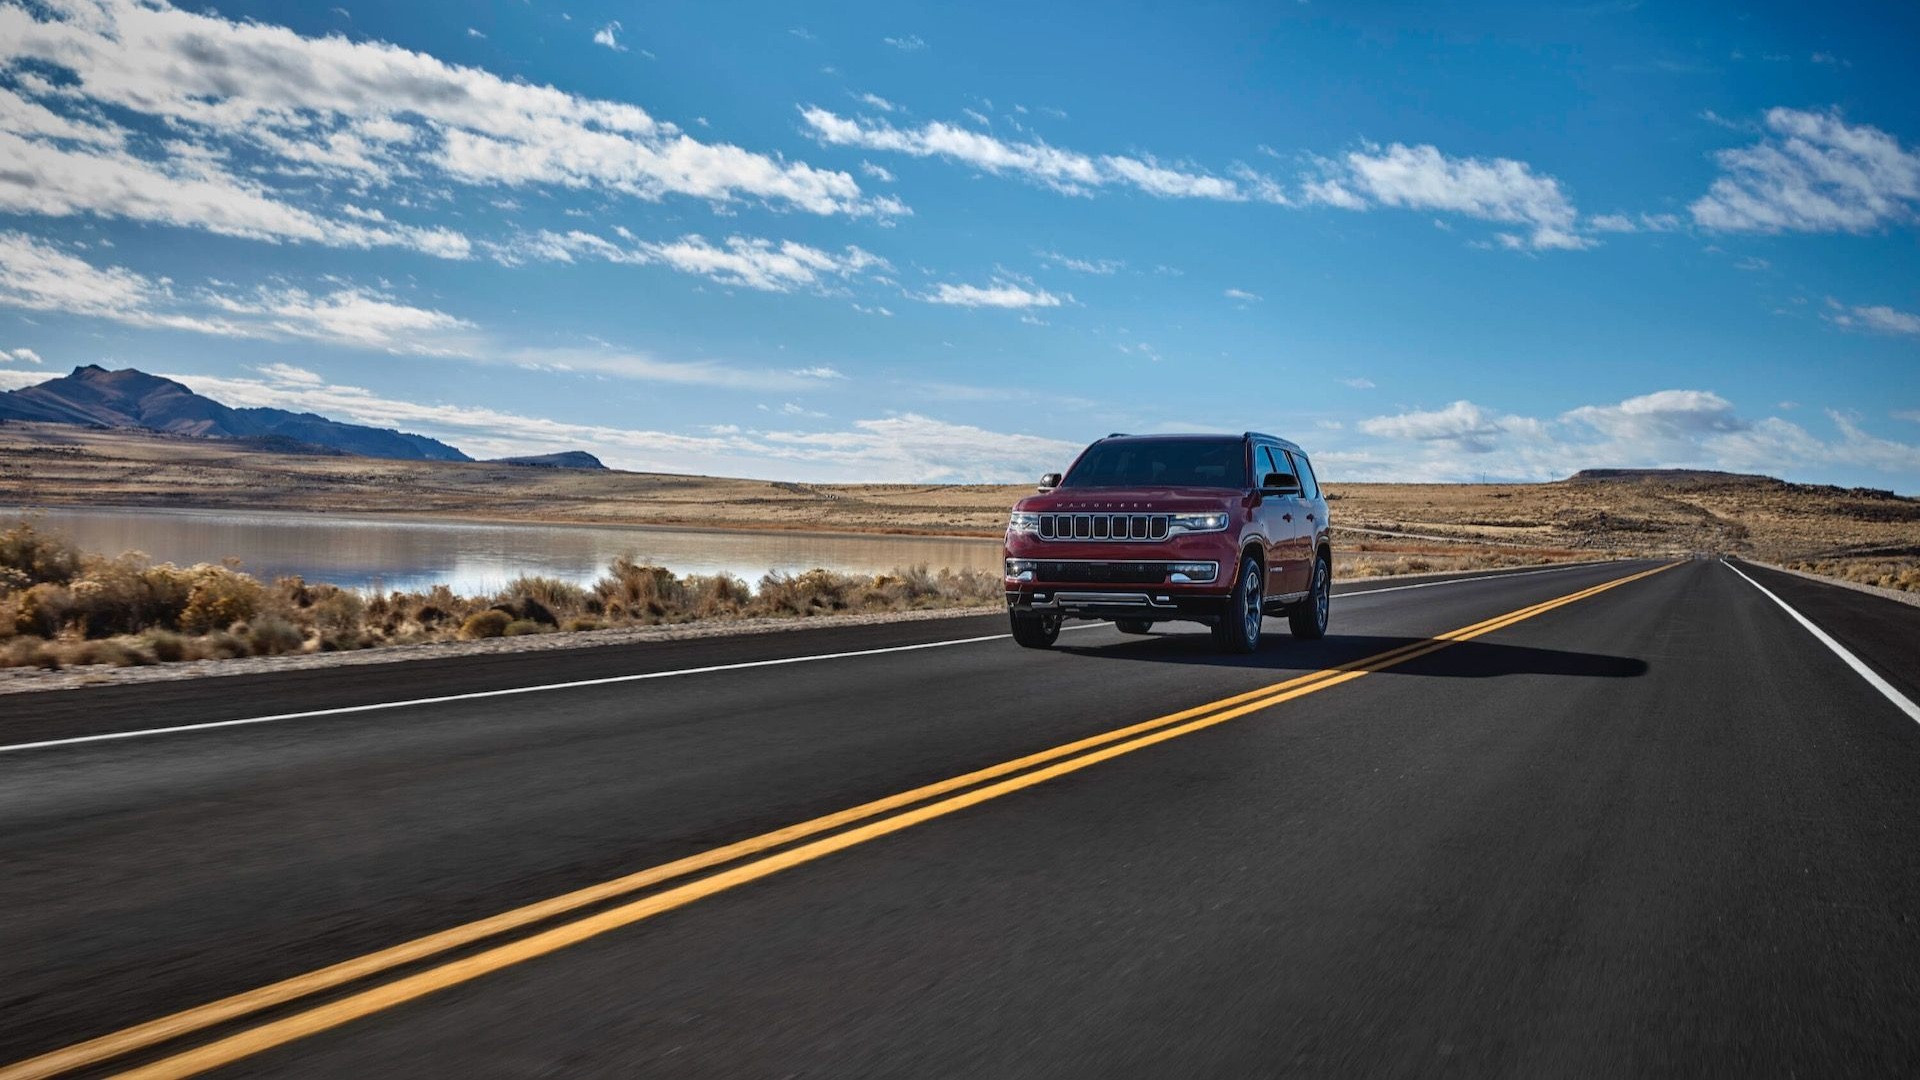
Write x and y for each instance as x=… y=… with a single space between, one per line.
x=1129 y=573
x=1129 y=527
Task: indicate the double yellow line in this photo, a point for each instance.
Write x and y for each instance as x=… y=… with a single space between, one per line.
x=764 y=859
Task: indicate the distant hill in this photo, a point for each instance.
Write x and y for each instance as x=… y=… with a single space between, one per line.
x=569 y=459
x=1673 y=475
x=131 y=398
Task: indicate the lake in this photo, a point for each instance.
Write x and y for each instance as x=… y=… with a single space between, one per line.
x=476 y=558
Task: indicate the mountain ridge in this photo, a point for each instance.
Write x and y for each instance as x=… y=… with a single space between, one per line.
x=129 y=397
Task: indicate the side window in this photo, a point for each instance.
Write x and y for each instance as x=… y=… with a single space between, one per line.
x=1309 y=485
x=1269 y=463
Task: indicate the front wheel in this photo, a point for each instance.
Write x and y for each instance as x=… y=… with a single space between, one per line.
x=1034 y=631
x=1308 y=619
x=1238 y=630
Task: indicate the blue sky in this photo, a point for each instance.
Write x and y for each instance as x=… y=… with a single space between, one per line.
x=956 y=242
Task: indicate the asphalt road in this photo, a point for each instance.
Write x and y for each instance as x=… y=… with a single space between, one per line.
x=1658 y=828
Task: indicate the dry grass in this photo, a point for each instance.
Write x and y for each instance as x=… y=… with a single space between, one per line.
x=60 y=607
x=1902 y=575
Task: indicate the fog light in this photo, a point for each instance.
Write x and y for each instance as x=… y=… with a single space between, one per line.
x=1021 y=569
x=1187 y=573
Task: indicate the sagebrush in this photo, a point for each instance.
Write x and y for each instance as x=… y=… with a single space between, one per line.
x=60 y=606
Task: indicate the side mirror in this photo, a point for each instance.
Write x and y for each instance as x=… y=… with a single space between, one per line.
x=1280 y=483
x=1049 y=482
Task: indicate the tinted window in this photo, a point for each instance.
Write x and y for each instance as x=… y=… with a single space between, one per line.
x=1309 y=485
x=1161 y=463
x=1269 y=463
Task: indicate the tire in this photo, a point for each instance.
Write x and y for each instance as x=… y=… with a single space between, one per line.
x=1133 y=626
x=1308 y=618
x=1034 y=631
x=1239 y=628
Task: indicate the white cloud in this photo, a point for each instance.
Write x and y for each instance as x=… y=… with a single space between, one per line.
x=608 y=35
x=1063 y=170
x=1908 y=414
x=1664 y=416
x=473 y=33
x=877 y=172
x=878 y=102
x=753 y=262
x=15 y=378
x=39 y=276
x=190 y=192
x=905 y=43
x=1462 y=423
x=904 y=448
x=231 y=123
x=1666 y=429
x=999 y=294
x=19 y=356
x=1102 y=267
x=1243 y=296
x=1812 y=172
x=1491 y=189
x=761 y=264
x=1359 y=383
x=1878 y=318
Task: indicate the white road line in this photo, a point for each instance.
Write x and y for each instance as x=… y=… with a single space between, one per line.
x=1484 y=577
x=477 y=695
x=1900 y=700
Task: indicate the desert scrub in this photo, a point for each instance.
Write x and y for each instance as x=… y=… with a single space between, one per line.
x=61 y=607
x=1899 y=574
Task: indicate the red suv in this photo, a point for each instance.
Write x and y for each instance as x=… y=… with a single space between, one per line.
x=1216 y=529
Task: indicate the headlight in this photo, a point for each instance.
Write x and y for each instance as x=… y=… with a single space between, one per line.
x=1024 y=522
x=1020 y=569
x=1197 y=523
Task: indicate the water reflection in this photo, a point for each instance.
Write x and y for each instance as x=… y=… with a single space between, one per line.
x=475 y=557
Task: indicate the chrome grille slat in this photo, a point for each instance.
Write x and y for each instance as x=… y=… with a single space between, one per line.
x=1133 y=528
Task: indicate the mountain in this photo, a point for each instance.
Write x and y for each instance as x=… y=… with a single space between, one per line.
x=569 y=459
x=132 y=398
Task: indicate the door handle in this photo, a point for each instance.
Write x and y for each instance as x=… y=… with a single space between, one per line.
x=1309 y=517
x=1286 y=517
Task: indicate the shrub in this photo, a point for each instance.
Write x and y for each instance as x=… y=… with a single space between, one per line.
x=30 y=557
x=485 y=624
x=42 y=610
x=522 y=627
x=167 y=646
x=221 y=596
x=271 y=635
x=339 y=611
x=29 y=651
x=549 y=594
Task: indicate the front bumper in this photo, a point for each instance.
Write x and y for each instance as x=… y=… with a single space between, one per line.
x=1123 y=580
x=1080 y=601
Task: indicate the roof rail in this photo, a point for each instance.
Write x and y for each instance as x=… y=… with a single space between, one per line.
x=1263 y=435
x=1116 y=434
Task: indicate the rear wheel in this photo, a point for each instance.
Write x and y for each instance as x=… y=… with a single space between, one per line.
x=1133 y=626
x=1238 y=630
x=1308 y=619
x=1034 y=631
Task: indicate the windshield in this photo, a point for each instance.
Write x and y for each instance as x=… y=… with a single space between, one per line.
x=1161 y=463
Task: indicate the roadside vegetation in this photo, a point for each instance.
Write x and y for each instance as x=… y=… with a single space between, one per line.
x=1899 y=574
x=62 y=607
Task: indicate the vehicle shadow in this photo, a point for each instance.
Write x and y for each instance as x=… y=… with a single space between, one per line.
x=1457 y=660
